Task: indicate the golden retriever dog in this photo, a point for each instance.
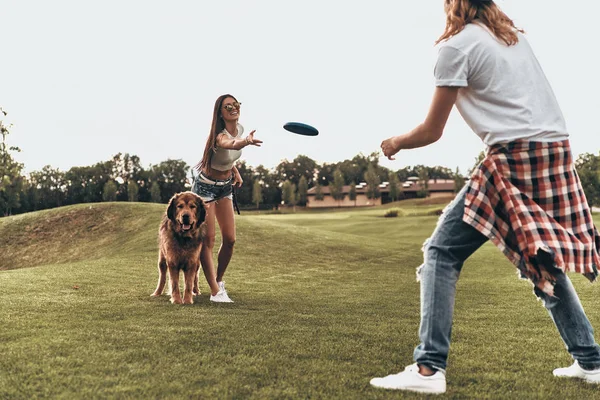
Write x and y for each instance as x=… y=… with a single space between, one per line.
x=180 y=241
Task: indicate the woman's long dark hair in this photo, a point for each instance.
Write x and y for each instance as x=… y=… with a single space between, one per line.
x=217 y=126
x=459 y=13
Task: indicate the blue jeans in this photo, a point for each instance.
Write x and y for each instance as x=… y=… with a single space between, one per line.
x=451 y=243
x=212 y=189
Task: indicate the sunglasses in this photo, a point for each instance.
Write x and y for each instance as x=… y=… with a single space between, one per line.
x=231 y=106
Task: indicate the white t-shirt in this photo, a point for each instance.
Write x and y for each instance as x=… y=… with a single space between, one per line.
x=223 y=159
x=504 y=93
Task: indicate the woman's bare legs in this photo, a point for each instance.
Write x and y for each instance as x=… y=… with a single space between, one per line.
x=226 y=220
x=222 y=211
x=206 y=254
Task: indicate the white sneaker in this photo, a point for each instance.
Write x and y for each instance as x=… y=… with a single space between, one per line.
x=575 y=371
x=220 y=297
x=410 y=379
x=221 y=285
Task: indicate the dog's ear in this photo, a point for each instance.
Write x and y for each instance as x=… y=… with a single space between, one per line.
x=171 y=207
x=200 y=210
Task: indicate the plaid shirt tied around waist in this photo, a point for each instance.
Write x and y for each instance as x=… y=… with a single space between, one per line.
x=526 y=197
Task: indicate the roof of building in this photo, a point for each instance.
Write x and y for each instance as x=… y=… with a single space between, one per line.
x=434 y=185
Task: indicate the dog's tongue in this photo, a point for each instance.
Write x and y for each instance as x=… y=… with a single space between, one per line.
x=186 y=227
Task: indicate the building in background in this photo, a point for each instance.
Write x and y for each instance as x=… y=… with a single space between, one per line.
x=411 y=189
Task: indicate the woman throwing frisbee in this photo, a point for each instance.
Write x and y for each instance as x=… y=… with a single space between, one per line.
x=525 y=196
x=217 y=175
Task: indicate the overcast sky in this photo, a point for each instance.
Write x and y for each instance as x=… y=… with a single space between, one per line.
x=84 y=80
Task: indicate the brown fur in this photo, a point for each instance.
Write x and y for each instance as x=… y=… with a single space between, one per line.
x=179 y=248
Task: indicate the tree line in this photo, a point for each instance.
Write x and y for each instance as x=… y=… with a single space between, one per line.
x=123 y=178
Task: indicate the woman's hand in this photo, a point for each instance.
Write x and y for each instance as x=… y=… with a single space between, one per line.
x=251 y=141
x=237 y=179
x=390 y=147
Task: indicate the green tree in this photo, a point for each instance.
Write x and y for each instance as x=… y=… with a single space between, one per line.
x=588 y=169
x=11 y=180
x=373 y=182
x=110 y=191
x=478 y=161
x=26 y=197
x=319 y=192
x=424 y=182
x=270 y=183
x=257 y=196
x=336 y=188
x=459 y=181
x=301 y=166
x=352 y=193
x=155 y=193
x=33 y=195
x=394 y=187
x=132 y=191
x=243 y=194
x=404 y=173
x=171 y=176
x=354 y=169
x=126 y=168
x=288 y=193
x=439 y=173
x=51 y=187
x=293 y=200
x=86 y=184
x=302 y=191
x=82 y=185
x=325 y=174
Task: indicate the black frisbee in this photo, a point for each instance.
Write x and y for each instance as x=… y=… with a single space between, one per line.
x=301 y=129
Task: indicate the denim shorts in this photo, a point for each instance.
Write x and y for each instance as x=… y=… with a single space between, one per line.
x=212 y=189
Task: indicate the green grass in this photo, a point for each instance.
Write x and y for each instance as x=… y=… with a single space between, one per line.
x=323 y=302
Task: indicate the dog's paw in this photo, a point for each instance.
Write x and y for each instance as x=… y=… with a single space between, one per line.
x=176 y=300
x=155 y=294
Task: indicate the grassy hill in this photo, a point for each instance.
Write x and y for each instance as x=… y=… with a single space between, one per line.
x=323 y=302
x=77 y=233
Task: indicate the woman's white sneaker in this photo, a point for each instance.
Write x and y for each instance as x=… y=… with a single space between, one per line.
x=575 y=371
x=221 y=297
x=410 y=379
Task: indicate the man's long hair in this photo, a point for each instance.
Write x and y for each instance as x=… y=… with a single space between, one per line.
x=459 y=13
x=217 y=126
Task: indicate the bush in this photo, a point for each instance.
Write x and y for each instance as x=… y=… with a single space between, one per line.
x=393 y=213
x=437 y=212
x=423 y=193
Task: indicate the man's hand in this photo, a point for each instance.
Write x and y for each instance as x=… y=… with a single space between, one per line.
x=390 y=147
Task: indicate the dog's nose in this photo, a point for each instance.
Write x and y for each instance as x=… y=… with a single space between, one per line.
x=185 y=218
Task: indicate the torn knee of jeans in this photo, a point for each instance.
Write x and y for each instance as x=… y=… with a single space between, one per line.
x=419 y=269
x=425 y=246
x=540 y=295
x=547 y=300
x=424 y=249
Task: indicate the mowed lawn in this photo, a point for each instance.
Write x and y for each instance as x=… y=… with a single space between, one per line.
x=324 y=301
